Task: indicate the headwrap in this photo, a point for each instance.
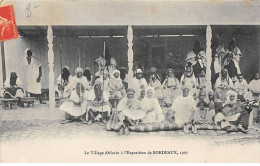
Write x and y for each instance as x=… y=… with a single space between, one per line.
x=185 y=87
x=25 y=52
x=98 y=83
x=231 y=92
x=113 y=77
x=169 y=70
x=78 y=70
x=153 y=69
x=130 y=90
x=112 y=61
x=87 y=73
x=139 y=71
x=149 y=88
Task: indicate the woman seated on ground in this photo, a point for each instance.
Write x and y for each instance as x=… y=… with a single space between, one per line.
x=115 y=86
x=171 y=86
x=98 y=108
x=152 y=108
x=13 y=88
x=130 y=112
x=74 y=108
x=183 y=109
x=232 y=115
x=142 y=95
x=203 y=115
x=62 y=81
x=223 y=84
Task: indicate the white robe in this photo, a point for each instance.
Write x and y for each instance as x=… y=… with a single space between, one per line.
x=31 y=72
x=152 y=104
x=183 y=107
x=136 y=84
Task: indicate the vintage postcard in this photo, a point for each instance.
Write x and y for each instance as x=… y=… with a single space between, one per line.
x=128 y=81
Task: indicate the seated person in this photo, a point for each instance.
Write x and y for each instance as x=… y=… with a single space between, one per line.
x=115 y=85
x=156 y=84
x=74 y=108
x=167 y=111
x=129 y=108
x=98 y=107
x=78 y=78
x=242 y=89
x=104 y=79
x=232 y=115
x=142 y=95
x=151 y=106
x=254 y=87
x=62 y=81
x=183 y=109
x=202 y=95
x=223 y=84
x=138 y=83
x=88 y=75
x=171 y=86
x=203 y=115
x=201 y=80
x=188 y=79
x=13 y=88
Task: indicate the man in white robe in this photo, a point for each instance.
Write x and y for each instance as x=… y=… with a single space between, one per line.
x=33 y=72
x=138 y=82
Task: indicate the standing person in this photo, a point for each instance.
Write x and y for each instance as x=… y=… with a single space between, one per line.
x=171 y=86
x=62 y=81
x=218 y=52
x=232 y=59
x=183 y=109
x=197 y=57
x=154 y=73
x=33 y=75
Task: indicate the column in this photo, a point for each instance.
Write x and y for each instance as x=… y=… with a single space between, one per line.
x=130 y=54
x=51 y=66
x=208 y=56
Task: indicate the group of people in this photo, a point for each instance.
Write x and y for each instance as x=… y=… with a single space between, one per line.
x=26 y=84
x=185 y=102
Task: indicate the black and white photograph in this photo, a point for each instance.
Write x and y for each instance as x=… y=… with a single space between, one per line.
x=128 y=81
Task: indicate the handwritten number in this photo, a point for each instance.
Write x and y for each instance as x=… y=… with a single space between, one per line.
x=28 y=10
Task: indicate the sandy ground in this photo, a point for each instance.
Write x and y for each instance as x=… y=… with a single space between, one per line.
x=28 y=128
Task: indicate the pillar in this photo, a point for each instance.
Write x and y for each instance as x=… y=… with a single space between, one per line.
x=208 y=56
x=130 y=54
x=51 y=66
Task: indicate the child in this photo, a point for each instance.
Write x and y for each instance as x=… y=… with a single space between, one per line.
x=203 y=115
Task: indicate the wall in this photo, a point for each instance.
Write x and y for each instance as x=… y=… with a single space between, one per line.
x=92 y=48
